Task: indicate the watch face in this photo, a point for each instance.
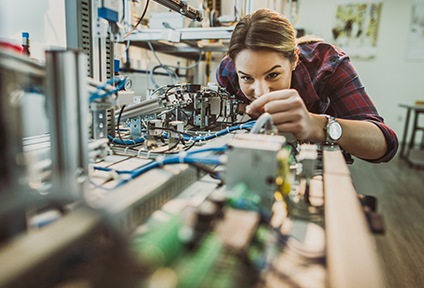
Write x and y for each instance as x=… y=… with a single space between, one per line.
x=335 y=131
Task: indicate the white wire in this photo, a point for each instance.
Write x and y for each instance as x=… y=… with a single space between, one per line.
x=122 y=52
x=171 y=73
x=167 y=68
x=262 y=120
x=171 y=66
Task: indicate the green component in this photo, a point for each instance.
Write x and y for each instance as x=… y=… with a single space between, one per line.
x=161 y=245
x=225 y=275
x=254 y=253
x=241 y=198
x=257 y=251
x=192 y=270
x=261 y=234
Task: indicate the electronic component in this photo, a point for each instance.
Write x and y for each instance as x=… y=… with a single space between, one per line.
x=183 y=8
x=252 y=160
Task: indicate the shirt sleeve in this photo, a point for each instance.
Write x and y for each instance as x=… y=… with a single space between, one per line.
x=348 y=100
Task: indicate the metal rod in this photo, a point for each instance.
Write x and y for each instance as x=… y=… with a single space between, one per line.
x=67 y=107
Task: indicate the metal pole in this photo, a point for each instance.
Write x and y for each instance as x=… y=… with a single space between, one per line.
x=67 y=108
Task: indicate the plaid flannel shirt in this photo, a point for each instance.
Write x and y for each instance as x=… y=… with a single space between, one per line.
x=328 y=84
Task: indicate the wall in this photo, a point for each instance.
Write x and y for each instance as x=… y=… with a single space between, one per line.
x=389 y=78
x=45 y=22
x=43 y=19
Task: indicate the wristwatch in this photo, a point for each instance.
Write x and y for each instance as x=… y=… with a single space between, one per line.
x=333 y=129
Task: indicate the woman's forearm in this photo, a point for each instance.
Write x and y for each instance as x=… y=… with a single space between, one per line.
x=360 y=138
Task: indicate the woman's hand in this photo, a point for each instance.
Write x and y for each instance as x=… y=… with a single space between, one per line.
x=289 y=114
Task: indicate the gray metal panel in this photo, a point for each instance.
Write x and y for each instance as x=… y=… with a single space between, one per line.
x=134 y=202
x=78 y=28
x=23 y=258
x=110 y=73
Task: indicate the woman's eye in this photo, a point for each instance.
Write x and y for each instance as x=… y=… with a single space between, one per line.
x=246 y=78
x=273 y=75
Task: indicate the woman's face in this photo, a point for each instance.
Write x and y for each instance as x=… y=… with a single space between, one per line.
x=262 y=71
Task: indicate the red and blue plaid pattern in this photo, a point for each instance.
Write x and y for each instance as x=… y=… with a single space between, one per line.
x=328 y=84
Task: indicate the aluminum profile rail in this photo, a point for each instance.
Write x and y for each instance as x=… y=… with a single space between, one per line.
x=146 y=107
x=352 y=258
x=185 y=34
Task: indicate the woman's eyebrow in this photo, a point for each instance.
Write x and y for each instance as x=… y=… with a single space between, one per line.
x=276 y=66
x=266 y=72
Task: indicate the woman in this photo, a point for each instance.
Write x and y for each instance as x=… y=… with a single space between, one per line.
x=299 y=80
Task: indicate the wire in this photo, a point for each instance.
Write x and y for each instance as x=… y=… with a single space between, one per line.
x=188 y=118
x=122 y=52
x=262 y=120
x=222 y=132
x=170 y=72
x=165 y=161
x=139 y=20
x=96 y=95
x=106 y=169
x=186 y=136
x=161 y=87
x=128 y=142
x=172 y=148
x=207 y=170
x=175 y=67
x=214 y=174
x=168 y=67
x=176 y=131
x=123 y=10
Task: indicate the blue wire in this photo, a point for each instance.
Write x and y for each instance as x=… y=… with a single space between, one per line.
x=102 y=187
x=110 y=169
x=176 y=158
x=117 y=141
x=217 y=134
x=212 y=149
x=215 y=160
x=188 y=138
x=96 y=95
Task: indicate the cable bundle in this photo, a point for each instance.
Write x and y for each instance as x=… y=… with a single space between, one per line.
x=120 y=86
x=180 y=158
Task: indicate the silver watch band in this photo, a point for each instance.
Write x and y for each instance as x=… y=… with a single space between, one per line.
x=333 y=129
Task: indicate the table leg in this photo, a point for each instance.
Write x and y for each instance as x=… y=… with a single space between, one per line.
x=414 y=129
x=405 y=133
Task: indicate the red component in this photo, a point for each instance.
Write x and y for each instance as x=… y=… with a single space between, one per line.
x=16 y=48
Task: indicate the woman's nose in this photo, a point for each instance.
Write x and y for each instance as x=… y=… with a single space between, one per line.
x=261 y=88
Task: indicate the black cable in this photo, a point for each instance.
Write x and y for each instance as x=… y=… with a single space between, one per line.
x=123 y=12
x=188 y=118
x=128 y=145
x=119 y=122
x=142 y=15
x=166 y=92
x=207 y=170
x=139 y=20
x=191 y=146
x=176 y=144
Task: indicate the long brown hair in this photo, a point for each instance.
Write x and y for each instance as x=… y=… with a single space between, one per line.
x=266 y=29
